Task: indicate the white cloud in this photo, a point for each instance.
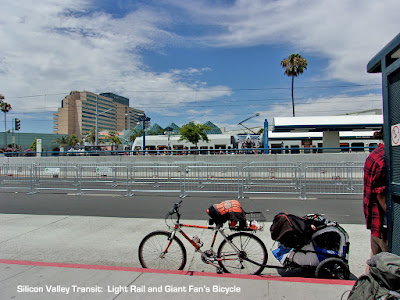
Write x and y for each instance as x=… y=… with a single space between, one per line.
x=54 y=46
x=337 y=105
x=347 y=33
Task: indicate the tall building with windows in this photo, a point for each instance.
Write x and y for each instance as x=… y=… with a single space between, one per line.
x=77 y=114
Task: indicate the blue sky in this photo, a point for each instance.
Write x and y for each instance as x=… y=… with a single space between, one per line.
x=199 y=61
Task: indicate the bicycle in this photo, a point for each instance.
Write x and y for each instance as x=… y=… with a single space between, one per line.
x=241 y=252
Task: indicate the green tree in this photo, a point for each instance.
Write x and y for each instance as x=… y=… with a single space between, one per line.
x=62 y=140
x=73 y=140
x=91 y=136
x=193 y=133
x=33 y=146
x=295 y=65
x=113 y=138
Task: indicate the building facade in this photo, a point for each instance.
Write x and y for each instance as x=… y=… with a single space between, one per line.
x=77 y=114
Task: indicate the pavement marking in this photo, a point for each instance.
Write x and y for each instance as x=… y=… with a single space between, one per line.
x=178 y=272
x=98 y=195
x=282 y=198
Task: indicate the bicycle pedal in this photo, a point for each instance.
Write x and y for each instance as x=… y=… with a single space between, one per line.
x=220 y=271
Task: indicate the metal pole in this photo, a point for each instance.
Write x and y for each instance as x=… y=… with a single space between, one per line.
x=96 y=123
x=266 y=136
x=144 y=134
x=12 y=136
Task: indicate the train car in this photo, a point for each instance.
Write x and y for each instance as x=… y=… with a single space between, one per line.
x=278 y=142
x=307 y=142
x=163 y=143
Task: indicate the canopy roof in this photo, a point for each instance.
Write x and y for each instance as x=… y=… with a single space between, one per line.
x=327 y=123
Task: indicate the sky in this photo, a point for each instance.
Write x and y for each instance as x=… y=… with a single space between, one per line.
x=194 y=60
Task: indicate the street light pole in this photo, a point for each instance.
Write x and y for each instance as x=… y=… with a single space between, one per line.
x=96 y=142
x=144 y=134
x=144 y=119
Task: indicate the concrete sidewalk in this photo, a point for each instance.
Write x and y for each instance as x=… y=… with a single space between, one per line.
x=97 y=258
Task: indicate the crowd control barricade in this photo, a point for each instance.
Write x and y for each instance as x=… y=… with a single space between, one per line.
x=333 y=180
x=270 y=179
x=55 y=177
x=156 y=178
x=16 y=177
x=212 y=179
x=105 y=178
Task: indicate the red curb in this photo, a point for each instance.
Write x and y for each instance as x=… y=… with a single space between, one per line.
x=177 y=272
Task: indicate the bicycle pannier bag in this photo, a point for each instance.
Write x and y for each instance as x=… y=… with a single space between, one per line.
x=229 y=210
x=290 y=230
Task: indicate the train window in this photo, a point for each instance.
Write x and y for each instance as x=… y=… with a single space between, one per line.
x=294 y=149
x=344 y=147
x=203 y=150
x=356 y=147
x=319 y=148
x=372 y=146
x=276 y=146
x=220 y=146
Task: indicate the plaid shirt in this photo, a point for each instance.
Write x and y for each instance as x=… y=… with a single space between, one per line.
x=374 y=183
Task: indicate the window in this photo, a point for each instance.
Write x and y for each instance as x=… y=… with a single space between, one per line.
x=344 y=147
x=357 y=147
x=294 y=149
x=276 y=146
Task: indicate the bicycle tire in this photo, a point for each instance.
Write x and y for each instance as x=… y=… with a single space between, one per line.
x=152 y=256
x=250 y=246
x=332 y=268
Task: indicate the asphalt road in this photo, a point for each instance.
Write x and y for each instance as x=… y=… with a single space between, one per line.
x=343 y=209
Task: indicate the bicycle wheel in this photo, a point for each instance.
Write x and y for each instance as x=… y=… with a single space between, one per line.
x=157 y=251
x=332 y=268
x=250 y=248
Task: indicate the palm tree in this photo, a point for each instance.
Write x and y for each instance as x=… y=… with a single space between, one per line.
x=5 y=108
x=73 y=140
x=91 y=136
x=113 y=138
x=62 y=140
x=295 y=65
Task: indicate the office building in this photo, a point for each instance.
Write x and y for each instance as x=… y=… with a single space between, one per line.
x=77 y=114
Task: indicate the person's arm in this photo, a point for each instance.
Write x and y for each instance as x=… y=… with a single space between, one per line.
x=382 y=200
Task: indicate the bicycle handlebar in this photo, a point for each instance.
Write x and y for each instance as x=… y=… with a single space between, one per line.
x=175 y=207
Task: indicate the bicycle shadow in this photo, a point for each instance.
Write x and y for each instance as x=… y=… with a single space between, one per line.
x=304 y=272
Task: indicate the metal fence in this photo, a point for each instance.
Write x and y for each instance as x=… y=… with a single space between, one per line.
x=156 y=178
x=184 y=179
x=16 y=177
x=61 y=178
x=271 y=179
x=333 y=180
x=215 y=179
x=106 y=178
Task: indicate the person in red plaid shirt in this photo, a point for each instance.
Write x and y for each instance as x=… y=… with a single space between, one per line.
x=374 y=200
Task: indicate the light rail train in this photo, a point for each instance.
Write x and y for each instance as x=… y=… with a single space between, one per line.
x=298 y=142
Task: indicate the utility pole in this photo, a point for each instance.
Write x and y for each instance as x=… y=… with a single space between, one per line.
x=96 y=142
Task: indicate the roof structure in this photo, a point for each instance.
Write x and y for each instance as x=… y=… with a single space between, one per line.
x=214 y=129
x=327 y=123
x=175 y=128
x=157 y=128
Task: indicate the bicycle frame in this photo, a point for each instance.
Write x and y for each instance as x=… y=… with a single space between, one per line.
x=178 y=228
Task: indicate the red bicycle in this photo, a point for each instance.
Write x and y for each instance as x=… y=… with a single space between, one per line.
x=241 y=252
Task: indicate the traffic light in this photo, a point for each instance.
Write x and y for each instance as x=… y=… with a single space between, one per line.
x=17 y=124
